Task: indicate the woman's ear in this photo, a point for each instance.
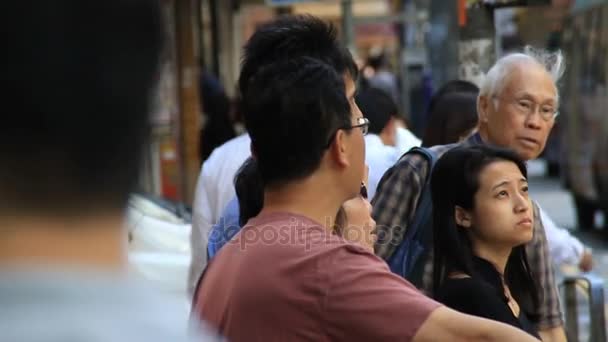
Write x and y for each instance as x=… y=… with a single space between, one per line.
x=462 y=217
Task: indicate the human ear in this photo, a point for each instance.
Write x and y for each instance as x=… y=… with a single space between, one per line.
x=462 y=217
x=340 y=148
x=483 y=103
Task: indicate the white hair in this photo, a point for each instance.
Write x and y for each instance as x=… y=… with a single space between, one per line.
x=494 y=81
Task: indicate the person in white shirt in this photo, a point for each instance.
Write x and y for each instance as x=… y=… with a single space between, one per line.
x=566 y=249
x=385 y=141
x=405 y=139
x=214 y=189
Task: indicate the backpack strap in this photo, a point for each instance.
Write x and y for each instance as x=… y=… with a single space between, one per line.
x=410 y=257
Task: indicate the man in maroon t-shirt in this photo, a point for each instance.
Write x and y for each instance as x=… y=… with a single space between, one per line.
x=286 y=276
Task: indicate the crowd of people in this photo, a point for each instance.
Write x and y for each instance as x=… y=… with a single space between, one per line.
x=291 y=235
x=514 y=110
x=296 y=221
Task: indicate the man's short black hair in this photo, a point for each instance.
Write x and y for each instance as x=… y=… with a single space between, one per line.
x=78 y=77
x=291 y=37
x=293 y=108
x=377 y=106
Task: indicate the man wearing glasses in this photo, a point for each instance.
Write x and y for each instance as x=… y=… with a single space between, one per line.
x=517 y=106
x=286 y=276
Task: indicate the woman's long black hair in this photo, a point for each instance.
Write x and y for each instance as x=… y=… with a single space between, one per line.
x=454 y=182
x=249 y=189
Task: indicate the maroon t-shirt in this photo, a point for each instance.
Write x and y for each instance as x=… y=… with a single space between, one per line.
x=286 y=278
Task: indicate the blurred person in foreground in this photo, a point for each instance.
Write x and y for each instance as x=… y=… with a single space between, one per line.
x=516 y=106
x=77 y=100
x=289 y=277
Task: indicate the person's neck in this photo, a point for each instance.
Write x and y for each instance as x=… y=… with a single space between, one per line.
x=309 y=198
x=386 y=138
x=483 y=134
x=496 y=255
x=94 y=242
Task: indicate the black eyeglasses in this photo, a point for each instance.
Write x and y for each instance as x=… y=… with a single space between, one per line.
x=362 y=123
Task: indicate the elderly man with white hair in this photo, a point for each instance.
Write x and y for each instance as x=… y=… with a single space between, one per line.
x=517 y=106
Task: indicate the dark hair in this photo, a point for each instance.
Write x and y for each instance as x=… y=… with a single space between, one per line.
x=293 y=109
x=291 y=37
x=378 y=61
x=454 y=182
x=456 y=86
x=79 y=78
x=249 y=191
x=250 y=195
x=452 y=116
x=377 y=106
x=216 y=105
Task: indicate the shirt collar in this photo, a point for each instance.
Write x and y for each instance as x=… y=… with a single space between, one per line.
x=488 y=272
x=473 y=140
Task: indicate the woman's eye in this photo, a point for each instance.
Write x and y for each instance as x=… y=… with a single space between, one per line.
x=503 y=194
x=524 y=189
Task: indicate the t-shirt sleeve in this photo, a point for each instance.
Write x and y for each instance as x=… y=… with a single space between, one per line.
x=365 y=301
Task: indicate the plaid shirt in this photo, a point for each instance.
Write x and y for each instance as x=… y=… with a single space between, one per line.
x=393 y=209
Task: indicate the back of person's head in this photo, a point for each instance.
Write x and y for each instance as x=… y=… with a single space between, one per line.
x=453 y=86
x=455 y=181
x=79 y=77
x=452 y=118
x=457 y=86
x=249 y=191
x=377 y=106
x=294 y=108
x=291 y=37
x=218 y=125
x=378 y=60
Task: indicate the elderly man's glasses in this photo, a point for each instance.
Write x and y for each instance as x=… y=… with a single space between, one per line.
x=528 y=107
x=362 y=123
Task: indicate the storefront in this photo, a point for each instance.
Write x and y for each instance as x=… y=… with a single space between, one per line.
x=171 y=165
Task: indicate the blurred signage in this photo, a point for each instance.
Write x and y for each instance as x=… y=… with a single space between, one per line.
x=287 y=2
x=512 y=3
x=580 y=5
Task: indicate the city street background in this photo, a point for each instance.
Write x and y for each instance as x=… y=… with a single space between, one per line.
x=557 y=202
